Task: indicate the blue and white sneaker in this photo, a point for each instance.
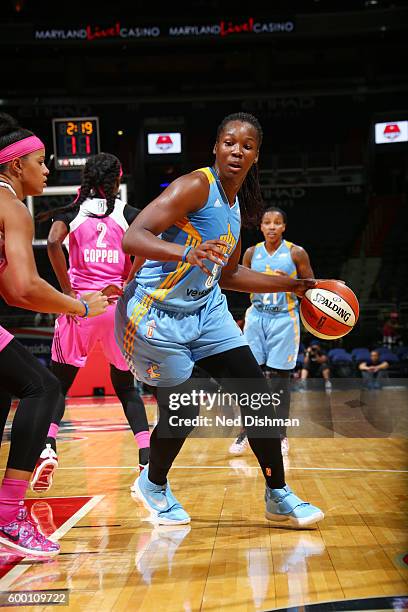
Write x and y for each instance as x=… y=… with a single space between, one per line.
x=285 y=509
x=160 y=501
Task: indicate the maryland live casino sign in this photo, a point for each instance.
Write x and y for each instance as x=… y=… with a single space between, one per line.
x=121 y=31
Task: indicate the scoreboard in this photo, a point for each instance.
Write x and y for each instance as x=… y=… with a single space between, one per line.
x=75 y=139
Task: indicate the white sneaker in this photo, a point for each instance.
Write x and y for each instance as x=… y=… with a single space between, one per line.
x=328 y=386
x=285 y=447
x=239 y=446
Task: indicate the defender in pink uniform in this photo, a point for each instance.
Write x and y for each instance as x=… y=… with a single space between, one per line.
x=94 y=224
x=96 y=261
x=23 y=172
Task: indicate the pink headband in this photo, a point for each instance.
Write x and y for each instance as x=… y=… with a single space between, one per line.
x=20 y=148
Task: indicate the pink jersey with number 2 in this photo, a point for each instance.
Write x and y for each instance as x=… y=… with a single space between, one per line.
x=96 y=258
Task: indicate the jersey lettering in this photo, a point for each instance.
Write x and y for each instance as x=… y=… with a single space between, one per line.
x=101 y=227
x=101 y=255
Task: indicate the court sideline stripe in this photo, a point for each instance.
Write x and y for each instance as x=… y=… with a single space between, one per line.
x=229 y=467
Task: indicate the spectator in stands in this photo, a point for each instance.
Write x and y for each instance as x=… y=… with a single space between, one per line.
x=374 y=370
x=316 y=363
x=391 y=330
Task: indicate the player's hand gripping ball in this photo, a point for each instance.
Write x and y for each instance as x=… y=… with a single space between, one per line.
x=329 y=310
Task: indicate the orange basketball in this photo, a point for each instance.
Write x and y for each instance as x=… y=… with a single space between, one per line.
x=329 y=310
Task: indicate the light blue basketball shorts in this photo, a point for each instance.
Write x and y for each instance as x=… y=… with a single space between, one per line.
x=273 y=337
x=161 y=345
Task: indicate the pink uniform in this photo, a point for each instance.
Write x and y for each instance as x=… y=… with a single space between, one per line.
x=96 y=260
x=5 y=336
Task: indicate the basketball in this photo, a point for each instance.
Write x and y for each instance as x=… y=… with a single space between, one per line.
x=330 y=310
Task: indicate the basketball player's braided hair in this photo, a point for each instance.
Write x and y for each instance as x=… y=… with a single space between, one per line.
x=99 y=178
x=249 y=196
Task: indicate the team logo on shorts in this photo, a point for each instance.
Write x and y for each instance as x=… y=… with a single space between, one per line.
x=150 y=328
x=153 y=370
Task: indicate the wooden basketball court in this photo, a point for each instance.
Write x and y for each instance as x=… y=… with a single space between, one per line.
x=229 y=558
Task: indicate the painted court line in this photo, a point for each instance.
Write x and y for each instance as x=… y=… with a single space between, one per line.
x=61 y=531
x=229 y=467
x=19 y=569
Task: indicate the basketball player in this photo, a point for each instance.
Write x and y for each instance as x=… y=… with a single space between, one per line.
x=272 y=322
x=95 y=224
x=174 y=314
x=23 y=172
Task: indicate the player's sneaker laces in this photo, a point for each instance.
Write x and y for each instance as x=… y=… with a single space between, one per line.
x=22 y=535
x=160 y=501
x=239 y=445
x=44 y=470
x=285 y=509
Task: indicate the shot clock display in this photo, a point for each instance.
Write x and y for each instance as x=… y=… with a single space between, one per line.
x=75 y=139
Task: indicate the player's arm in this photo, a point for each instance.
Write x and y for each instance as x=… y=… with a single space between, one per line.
x=185 y=195
x=20 y=284
x=56 y=237
x=136 y=265
x=302 y=262
x=239 y=278
x=247 y=258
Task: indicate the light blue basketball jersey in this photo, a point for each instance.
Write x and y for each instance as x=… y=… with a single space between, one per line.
x=282 y=260
x=181 y=286
x=272 y=322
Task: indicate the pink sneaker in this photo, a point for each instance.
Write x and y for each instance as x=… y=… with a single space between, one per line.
x=44 y=470
x=22 y=535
